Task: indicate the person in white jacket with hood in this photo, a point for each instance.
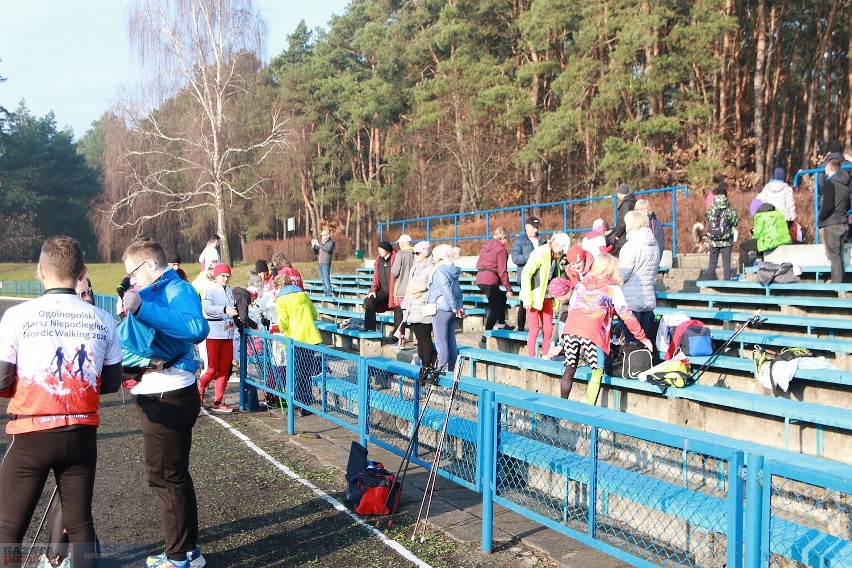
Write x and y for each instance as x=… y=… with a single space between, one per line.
x=779 y=195
x=639 y=261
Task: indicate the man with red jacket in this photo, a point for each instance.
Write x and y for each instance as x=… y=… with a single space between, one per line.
x=380 y=297
x=54 y=411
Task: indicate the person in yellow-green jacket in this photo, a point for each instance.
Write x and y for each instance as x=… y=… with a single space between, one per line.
x=296 y=316
x=541 y=267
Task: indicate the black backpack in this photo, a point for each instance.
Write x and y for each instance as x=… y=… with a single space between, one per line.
x=628 y=361
x=720 y=225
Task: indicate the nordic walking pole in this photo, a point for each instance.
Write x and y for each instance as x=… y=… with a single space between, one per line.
x=41 y=524
x=432 y=479
x=755 y=320
x=406 y=458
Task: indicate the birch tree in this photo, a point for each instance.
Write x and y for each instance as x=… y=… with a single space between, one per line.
x=203 y=56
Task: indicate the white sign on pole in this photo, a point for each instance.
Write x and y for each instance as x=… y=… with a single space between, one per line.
x=291 y=224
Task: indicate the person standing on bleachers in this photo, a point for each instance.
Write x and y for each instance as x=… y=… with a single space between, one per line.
x=324 y=249
x=587 y=327
x=492 y=271
x=400 y=270
x=779 y=195
x=833 y=222
x=626 y=203
x=639 y=262
x=446 y=295
x=416 y=293
x=522 y=248
x=644 y=207
x=380 y=298
x=722 y=219
x=542 y=267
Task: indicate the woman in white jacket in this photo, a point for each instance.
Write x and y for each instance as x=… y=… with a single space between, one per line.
x=639 y=261
x=218 y=307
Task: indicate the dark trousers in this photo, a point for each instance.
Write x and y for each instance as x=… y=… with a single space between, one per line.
x=425 y=348
x=167 y=420
x=496 y=305
x=397 y=320
x=371 y=306
x=646 y=320
x=72 y=456
x=726 y=262
x=833 y=237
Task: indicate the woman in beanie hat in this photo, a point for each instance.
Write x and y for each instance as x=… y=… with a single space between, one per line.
x=722 y=219
x=218 y=307
x=173 y=259
x=380 y=297
x=779 y=195
x=597 y=298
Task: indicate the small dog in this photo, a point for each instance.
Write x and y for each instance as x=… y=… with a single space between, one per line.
x=699 y=238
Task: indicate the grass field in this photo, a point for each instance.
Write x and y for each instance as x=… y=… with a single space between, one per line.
x=105 y=277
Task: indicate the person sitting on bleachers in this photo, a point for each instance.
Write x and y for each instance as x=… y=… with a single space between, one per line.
x=380 y=297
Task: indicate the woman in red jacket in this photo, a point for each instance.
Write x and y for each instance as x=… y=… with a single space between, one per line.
x=492 y=271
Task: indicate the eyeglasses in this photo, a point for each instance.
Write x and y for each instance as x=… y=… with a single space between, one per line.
x=85 y=293
x=132 y=272
x=417 y=253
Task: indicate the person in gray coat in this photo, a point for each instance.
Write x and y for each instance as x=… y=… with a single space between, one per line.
x=400 y=269
x=415 y=297
x=639 y=261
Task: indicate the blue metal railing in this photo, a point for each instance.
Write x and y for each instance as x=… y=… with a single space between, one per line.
x=815 y=172
x=524 y=211
x=646 y=492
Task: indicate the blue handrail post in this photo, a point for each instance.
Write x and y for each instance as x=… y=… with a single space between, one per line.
x=592 y=497
x=363 y=400
x=488 y=462
x=243 y=365
x=429 y=230
x=754 y=512
x=289 y=388
x=816 y=209
x=735 y=508
x=674 y=225
x=456 y=230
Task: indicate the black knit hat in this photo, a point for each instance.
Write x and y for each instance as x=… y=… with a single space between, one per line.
x=261 y=266
x=386 y=246
x=172 y=257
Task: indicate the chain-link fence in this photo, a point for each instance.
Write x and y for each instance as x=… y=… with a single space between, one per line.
x=656 y=501
x=651 y=494
x=397 y=401
x=810 y=517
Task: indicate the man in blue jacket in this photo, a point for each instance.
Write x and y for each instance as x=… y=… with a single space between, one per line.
x=158 y=337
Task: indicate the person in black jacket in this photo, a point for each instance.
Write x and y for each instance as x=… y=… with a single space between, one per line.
x=522 y=248
x=833 y=220
x=626 y=203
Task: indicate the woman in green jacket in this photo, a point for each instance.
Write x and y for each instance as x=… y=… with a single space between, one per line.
x=296 y=316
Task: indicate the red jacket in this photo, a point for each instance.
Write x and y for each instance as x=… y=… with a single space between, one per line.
x=375 y=285
x=492 y=266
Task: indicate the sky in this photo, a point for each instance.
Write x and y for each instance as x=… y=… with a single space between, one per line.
x=73 y=57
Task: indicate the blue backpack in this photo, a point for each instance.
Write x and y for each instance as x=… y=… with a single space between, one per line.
x=692 y=338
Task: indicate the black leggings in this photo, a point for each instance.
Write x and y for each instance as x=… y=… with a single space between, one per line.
x=72 y=456
x=496 y=305
x=425 y=347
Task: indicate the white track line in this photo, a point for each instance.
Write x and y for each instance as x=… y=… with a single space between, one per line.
x=389 y=542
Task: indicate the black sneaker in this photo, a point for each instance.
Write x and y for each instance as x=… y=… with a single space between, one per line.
x=483 y=341
x=507 y=327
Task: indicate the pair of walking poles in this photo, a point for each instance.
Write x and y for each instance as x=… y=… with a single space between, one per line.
x=754 y=321
x=429 y=376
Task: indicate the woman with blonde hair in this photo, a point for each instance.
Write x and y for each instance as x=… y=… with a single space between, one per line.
x=445 y=294
x=596 y=299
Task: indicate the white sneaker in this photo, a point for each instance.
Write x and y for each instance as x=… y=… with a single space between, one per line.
x=196 y=560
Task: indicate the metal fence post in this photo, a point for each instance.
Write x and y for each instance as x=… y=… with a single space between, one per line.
x=735 y=509
x=754 y=512
x=290 y=387
x=593 y=481
x=488 y=463
x=363 y=400
x=243 y=365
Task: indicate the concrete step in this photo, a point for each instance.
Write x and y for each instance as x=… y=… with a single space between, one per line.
x=699 y=261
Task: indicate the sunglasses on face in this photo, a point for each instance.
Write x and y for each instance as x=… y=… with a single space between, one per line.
x=85 y=293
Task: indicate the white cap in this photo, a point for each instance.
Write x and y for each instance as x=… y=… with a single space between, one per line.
x=404 y=238
x=561 y=239
x=324 y=232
